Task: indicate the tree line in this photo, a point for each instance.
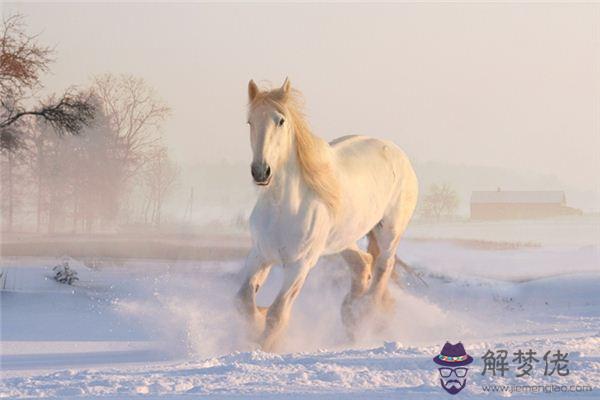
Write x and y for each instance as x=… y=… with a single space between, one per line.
x=84 y=160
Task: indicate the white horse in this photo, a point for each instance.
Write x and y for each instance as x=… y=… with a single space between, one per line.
x=316 y=199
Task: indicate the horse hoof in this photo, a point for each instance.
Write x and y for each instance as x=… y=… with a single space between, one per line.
x=355 y=312
x=387 y=303
x=255 y=325
x=268 y=344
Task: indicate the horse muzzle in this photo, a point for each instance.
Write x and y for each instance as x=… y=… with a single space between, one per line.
x=261 y=173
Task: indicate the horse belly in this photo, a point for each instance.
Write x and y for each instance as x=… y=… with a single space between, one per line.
x=354 y=223
x=369 y=180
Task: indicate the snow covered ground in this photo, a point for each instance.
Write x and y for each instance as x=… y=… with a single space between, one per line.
x=169 y=330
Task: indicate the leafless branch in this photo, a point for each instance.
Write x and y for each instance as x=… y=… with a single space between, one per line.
x=22 y=59
x=67 y=115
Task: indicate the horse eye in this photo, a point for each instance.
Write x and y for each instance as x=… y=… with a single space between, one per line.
x=281 y=121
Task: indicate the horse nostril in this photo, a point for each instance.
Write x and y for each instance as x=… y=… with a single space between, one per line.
x=255 y=172
x=267 y=172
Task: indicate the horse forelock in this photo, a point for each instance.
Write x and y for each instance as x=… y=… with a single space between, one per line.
x=313 y=153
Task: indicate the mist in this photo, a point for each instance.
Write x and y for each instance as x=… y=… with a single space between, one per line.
x=503 y=95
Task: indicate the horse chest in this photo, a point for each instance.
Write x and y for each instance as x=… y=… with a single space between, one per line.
x=285 y=234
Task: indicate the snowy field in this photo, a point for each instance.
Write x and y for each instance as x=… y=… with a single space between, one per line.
x=168 y=329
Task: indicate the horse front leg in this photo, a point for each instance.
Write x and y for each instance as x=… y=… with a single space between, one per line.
x=278 y=313
x=257 y=271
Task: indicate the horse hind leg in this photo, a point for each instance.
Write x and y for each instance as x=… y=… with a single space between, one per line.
x=387 y=236
x=374 y=251
x=360 y=263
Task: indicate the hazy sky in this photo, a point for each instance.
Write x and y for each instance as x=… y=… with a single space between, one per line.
x=480 y=84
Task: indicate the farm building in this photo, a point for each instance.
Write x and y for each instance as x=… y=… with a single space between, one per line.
x=500 y=204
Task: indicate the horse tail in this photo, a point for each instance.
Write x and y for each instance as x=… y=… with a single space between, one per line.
x=408 y=270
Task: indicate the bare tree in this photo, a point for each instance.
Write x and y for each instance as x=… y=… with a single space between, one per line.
x=76 y=178
x=22 y=62
x=159 y=177
x=440 y=200
x=135 y=113
x=113 y=134
x=38 y=168
x=13 y=174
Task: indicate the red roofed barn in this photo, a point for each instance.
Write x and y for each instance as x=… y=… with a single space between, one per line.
x=500 y=204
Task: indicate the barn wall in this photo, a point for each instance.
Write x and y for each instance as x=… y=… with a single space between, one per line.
x=490 y=211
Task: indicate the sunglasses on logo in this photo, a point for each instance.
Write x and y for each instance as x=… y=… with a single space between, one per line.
x=459 y=372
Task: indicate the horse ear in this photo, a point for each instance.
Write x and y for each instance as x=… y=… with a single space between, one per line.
x=252 y=90
x=287 y=86
x=282 y=93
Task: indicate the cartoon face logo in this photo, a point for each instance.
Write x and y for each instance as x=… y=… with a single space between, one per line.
x=453 y=380
x=452 y=360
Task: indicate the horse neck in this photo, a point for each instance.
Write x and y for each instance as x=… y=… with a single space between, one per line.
x=288 y=186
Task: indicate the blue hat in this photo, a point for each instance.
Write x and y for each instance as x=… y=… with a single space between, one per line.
x=453 y=355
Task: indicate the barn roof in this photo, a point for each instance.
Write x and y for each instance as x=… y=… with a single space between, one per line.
x=528 y=197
